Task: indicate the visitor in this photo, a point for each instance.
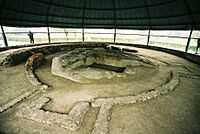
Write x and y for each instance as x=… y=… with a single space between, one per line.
x=198 y=45
x=30 y=34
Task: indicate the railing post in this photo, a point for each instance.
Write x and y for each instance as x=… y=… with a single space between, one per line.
x=49 y=37
x=4 y=37
x=148 y=37
x=188 y=41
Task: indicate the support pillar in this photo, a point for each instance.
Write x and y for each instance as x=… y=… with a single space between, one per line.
x=148 y=37
x=49 y=37
x=4 y=37
x=115 y=21
x=83 y=38
x=83 y=21
x=188 y=42
x=115 y=36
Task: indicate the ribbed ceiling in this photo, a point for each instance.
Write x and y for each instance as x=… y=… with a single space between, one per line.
x=120 y=14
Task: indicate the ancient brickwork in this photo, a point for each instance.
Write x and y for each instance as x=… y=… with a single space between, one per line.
x=75 y=117
x=66 y=64
x=15 y=101
x=71 y=121
x=22 y=55
x=105 y=104
x=33 y=62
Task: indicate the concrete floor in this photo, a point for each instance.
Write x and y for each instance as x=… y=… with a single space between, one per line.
x=174 y=113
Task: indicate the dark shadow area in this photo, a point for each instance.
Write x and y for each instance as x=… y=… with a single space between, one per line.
x=107 y=67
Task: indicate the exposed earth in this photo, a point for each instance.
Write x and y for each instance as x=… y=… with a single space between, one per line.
x=156 y=93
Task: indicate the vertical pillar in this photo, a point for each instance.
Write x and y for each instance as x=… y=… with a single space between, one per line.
x=83 y=38
x=188 y=42
x=115 y=21
x=115 y=36
x=149 y=19
x=49 y=37
x=4 y=37
x=148 y=38
x=83 y=22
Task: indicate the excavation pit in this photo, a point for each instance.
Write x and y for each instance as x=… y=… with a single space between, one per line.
x=82 y=65
x=108 y=67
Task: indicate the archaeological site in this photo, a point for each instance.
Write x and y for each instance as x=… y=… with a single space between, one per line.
x=100 y=67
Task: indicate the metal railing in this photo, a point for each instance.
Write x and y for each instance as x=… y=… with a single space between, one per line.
x=85 y=36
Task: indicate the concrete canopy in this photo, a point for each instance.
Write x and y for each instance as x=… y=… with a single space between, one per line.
x=116 y=14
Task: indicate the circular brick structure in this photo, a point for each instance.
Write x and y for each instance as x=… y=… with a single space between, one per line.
x=83 y=64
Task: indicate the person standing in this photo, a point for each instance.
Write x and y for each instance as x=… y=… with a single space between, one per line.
x=198 y=45
x=30 y=34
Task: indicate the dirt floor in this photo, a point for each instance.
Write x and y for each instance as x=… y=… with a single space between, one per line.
x=176 y=112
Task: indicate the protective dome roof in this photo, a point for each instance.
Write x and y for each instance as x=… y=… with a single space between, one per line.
x=120 y=14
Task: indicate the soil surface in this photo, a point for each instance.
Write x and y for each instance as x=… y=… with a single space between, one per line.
x=176 y=112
